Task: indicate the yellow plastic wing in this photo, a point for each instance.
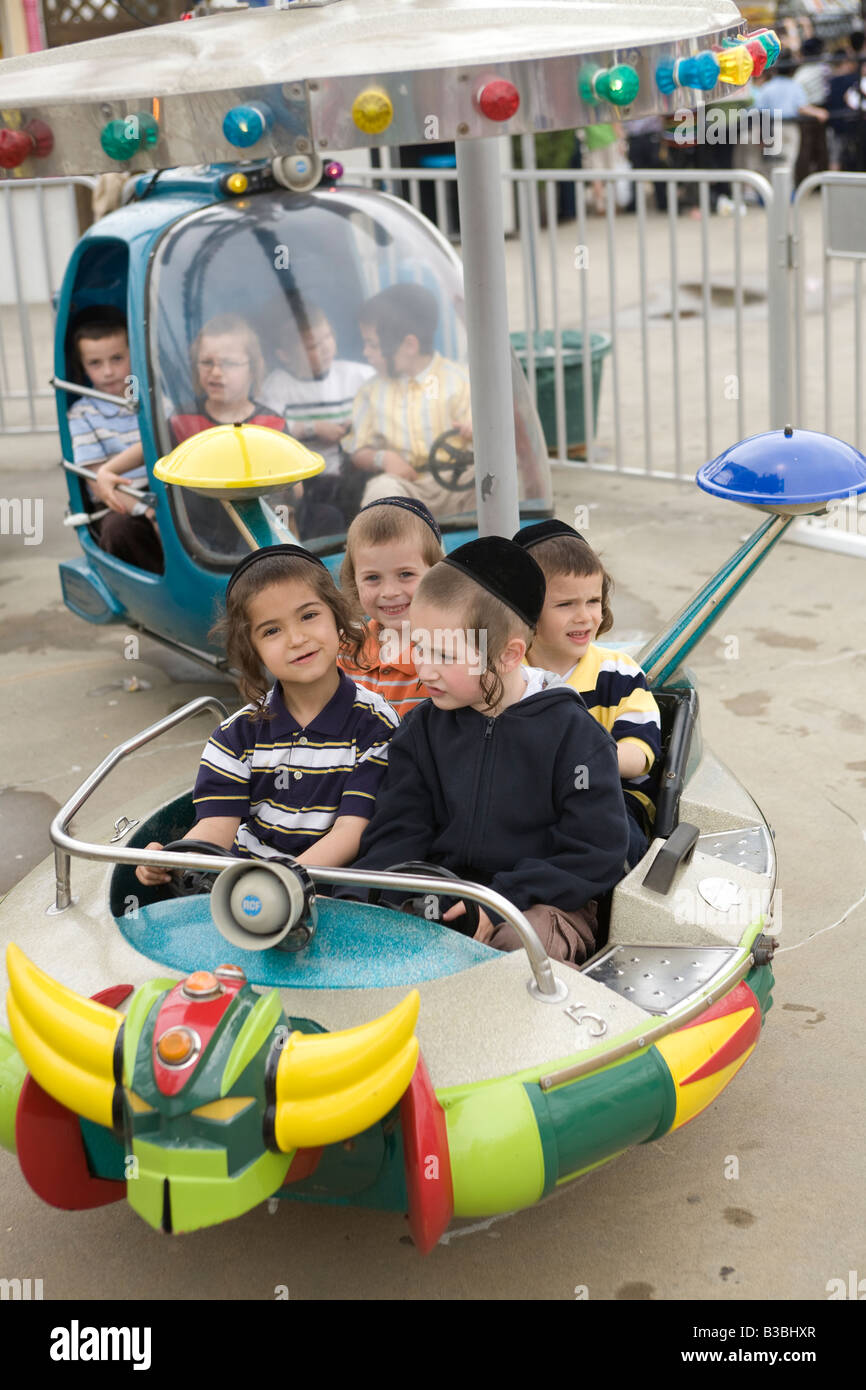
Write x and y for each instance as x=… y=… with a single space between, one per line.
x=66 y=1041
x=330 y=1086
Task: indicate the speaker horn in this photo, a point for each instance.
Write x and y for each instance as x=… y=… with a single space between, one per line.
x=261 y=903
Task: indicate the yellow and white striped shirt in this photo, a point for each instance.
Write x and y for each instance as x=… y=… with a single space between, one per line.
x=407 y=413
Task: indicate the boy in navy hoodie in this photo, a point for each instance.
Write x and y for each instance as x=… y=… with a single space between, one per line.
x=502 y=776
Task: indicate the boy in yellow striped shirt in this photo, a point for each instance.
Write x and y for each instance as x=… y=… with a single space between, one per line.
x=612 y=684
x=416 y=395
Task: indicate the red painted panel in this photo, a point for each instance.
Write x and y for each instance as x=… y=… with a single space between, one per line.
x=50 y=1147
x=203 y=1015
x=740 y=997
x=303 y=1165
x=52 y=1155
x=428 y=1165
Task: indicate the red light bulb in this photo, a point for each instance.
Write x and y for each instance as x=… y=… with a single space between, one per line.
x=15 y=147
x=498 y=100
x=759 y=56
x=42 y=137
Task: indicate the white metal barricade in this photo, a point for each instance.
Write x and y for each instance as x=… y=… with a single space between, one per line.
x=38 y=232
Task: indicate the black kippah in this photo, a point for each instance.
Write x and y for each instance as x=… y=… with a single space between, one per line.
x=504 y=570
x=410 y=504
x=545 y=531
x=264 y=553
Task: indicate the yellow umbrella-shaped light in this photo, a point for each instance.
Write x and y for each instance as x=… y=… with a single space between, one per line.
x=236 y=462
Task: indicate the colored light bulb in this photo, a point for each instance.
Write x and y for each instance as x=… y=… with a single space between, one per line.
x=121 y=138
x=42 y=137
x=735 y=65
x=769 y=40
x=498 y=100
x=372 y=110
x=665 y=80
x=149 y=129
x=759 y=56
x=333 y=170
x=618 y=85
x=15 y=147
x=245 y=125
x=700 y=72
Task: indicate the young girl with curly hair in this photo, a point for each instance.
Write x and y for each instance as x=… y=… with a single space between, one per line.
x=296 y=770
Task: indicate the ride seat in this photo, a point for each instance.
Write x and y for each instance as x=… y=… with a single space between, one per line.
x=678 y=708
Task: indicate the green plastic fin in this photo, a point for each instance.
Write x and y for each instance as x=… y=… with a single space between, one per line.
x=136 y=1016
x=12 y=1074
x=261 y=1022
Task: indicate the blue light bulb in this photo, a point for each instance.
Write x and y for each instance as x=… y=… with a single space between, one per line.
x=701 y=72
x=245 y=125
x=665 y=76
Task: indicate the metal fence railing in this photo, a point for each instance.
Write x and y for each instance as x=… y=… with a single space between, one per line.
x=38 y=232
x=828 y=330
x=713 y=326
x=696 y=310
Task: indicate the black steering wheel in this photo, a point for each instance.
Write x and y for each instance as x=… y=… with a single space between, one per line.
x=187 y=882
x=429 y=905
x=450 y=462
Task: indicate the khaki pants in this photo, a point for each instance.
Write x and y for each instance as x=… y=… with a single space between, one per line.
x=570 y=937
x=424 y=488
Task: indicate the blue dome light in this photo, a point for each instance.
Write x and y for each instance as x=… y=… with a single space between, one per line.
x=245 y=125
x=788 y=471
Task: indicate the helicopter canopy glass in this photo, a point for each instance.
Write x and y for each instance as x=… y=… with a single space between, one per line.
x=257 y=314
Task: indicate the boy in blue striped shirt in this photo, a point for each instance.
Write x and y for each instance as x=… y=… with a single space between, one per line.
x=105 y=437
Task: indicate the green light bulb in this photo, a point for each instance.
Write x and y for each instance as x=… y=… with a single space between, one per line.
x=121 y=138
x=618 y=85
x=149 y=129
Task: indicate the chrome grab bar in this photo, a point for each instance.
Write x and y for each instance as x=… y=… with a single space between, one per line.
x=544 y=985
x=66 y=845
x=132 y=403
x=82 y=471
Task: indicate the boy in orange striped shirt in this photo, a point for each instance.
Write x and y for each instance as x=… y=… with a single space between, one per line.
x=390 y=545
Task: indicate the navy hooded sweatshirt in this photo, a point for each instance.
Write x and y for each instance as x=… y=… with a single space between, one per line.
x=528 y=803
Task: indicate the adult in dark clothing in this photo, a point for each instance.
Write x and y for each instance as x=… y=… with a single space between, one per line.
x=503 y=776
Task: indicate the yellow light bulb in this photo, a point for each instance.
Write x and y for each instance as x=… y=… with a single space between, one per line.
x=735 y=66
x=372 y=111
x=237 y=183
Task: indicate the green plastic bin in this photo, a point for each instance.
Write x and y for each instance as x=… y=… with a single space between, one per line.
x=572 y=366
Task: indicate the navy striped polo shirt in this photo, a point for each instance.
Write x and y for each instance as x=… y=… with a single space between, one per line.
x=289 y=784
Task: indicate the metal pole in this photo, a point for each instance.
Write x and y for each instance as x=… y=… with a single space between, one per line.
x=529 y=227
x=486 y=290
x=778 y=301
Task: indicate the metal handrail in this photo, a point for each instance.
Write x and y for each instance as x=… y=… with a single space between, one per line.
x=544 y=986
x=82 y=471
x=59 y=384
x=66 y=845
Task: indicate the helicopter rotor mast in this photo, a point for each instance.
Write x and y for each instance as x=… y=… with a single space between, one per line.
x=297 y=84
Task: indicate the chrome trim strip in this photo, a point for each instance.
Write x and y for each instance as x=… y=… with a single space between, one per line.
x=649 y=1035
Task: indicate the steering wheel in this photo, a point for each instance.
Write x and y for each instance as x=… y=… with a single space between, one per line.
x=429 y=906
x=186 y=882
x=448 y=462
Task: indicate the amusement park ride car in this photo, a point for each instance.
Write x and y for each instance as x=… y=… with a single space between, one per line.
x=353 y=1054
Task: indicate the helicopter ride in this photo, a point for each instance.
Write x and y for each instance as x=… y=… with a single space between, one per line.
x=198 y=260
x=352 y=1053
